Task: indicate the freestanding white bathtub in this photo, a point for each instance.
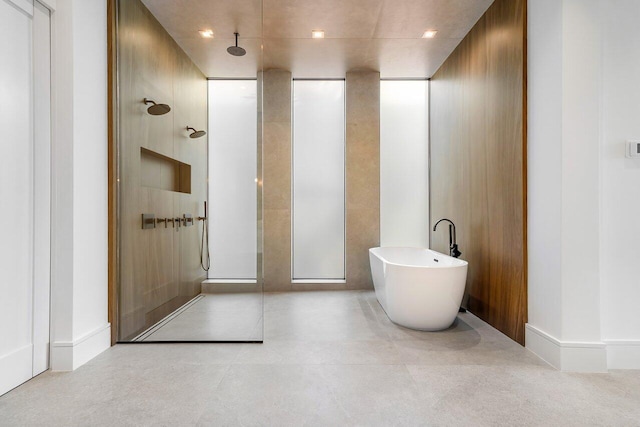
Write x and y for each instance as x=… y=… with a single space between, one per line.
x=418 y=288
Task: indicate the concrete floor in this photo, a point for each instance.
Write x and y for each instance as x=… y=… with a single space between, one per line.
x=329 y=358
x=215 y=317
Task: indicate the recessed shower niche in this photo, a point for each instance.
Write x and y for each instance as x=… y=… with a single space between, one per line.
x=163 y=172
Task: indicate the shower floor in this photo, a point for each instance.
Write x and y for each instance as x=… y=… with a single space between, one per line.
x=211 y=317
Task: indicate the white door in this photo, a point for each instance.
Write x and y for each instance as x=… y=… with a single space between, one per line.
x=24 y=190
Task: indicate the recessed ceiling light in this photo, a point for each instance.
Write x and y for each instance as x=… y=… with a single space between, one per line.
x=207 y=34
x=429 y=34
x=317 y=34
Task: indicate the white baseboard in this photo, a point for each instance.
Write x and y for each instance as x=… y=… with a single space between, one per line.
x=571 y=356
x=543 y=345
x=15 y=368
x=623 y=354
x=70 y=355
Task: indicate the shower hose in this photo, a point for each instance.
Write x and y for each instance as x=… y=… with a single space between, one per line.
x=205 y=261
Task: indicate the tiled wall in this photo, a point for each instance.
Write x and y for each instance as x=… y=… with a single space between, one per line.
x=363 y=175
x=277 y=180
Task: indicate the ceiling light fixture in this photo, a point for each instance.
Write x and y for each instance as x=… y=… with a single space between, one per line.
x=429 y=34
x=317 y=34
x=207 y=34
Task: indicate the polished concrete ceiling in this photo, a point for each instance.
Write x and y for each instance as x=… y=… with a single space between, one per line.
x=381 y=35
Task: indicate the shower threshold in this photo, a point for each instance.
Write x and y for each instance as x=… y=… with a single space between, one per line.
x=233 y=317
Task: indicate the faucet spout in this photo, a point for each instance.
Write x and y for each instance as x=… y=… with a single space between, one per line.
x=453 y=246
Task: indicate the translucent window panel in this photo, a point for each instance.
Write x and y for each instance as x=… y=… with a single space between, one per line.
x=232 y=179
x=404 y=163
x=318 y=180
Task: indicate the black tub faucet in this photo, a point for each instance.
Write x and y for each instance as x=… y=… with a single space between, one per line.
x=453 y=246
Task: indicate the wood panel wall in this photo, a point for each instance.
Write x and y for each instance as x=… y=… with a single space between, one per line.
x=158 y=269
x=478 y=163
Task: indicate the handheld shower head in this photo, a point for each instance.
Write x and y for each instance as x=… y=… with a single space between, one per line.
x=236 y=50
x=196 y=133
x=156 y=109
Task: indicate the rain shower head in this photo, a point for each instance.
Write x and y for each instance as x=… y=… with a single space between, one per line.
x=156 y=109
x=196 y=133
x=236 y=50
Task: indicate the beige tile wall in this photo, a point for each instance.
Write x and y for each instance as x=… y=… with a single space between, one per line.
x=362 y=180
x=363 y=174
x=277 y=180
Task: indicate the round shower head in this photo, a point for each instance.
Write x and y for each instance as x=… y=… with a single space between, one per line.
x=156 y=109
x=196 y=133
x=236 y=50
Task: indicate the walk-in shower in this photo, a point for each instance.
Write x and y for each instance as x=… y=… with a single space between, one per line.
x=164 y=292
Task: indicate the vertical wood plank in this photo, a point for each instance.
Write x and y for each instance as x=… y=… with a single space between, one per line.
x=478 y=162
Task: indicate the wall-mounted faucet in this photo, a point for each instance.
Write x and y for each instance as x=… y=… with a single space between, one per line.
x=150 y=221
x=453 y=246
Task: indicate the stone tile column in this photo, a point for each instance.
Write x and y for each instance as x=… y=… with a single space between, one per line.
x=363 y=174
x=277 y=180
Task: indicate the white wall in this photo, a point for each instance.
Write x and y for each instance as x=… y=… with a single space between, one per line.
x=620 y=179
x=580 y=171
x=580 y=221
x=79 y=183
x=544 y=158
x=17 y=190
x=404 y=163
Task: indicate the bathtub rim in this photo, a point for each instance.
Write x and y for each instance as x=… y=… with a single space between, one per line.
x=463 y=263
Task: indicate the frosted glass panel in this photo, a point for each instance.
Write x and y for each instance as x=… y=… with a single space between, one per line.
x=318 y=180
x=404 y=163
x=232 y=178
